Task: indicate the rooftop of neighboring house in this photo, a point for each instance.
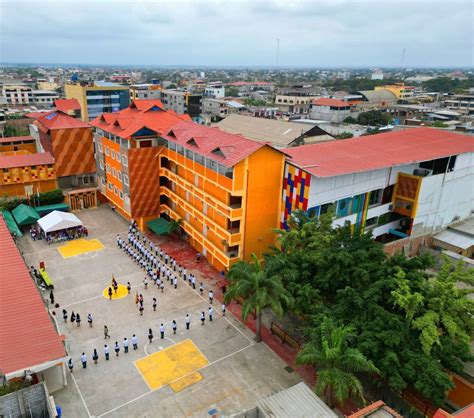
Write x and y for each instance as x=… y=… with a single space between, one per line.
x=250 y=83
x=325 y=101
x=25 y=160
x=466 y=412
x=149 y=114
x=13 y=139
x=66 y=105
x=373 y=152
x=378 y=95
x=278 y=132
x=376 y=410
x=57 y=120
x=29 y=336
x=222 y=147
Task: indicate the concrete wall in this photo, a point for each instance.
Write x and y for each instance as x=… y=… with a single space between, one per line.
x=53 y=377
x=326 y=113
x=31 y=401
x=445 y=197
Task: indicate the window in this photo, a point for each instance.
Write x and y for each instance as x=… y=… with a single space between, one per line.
x=371 y=221
x=124 y=160
x=125 y=180
x=102 y=181
x=211 y=164
x=107 y=150
x=100 y=146
x=179 y=149
x=120 y=194
x=108 y=168
x=112 y=155
x=114 y=172
x=325 y=208
x=119 y=175
x=375 y=197
x=115 y=191
x=109 y=185
x=117 y=156
x=199 y=159
x=172 y=146
x=189 y=154
x=101 y=164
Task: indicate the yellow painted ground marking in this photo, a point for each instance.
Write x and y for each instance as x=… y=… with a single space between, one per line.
x=186 y=381
x=172 y=363
x=80 y=246
x=121 y=292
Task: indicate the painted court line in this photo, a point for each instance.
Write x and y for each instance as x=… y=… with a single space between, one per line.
x=80 y=394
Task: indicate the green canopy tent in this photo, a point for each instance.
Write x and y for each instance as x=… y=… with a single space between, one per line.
x=159 y=226
x=25 y=215
x=11 y=224
x=44 y=210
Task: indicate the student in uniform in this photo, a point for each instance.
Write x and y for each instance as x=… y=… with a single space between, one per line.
x=129 y=287
x=174 y=326
x=134 y=342
x=188 y=321
x=106 y=332
x=125 y=345
x=162 y=331
x=145 y=282
x=89 y=320
x=110 y=293
x=210 y=312
x=65 y=315
x=95 y=356
x=162 y=286
x=203 y=318
x=154 y=304
x=106 y=352
x=73 y=317
x=70 y=365
x=193 y=282
x=141 y=308
x=175 y=282
x=201 y=288
x=223 y=309
x=117 y=349
x=78 y=320
x=150 y=335
x=211 y=296
x=84 y=360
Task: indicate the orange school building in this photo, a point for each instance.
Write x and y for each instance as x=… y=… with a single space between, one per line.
x=224 y=187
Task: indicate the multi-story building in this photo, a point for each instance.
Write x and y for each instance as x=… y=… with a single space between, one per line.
x=224 y=187
x=47 y=85
x=214 y=90
x=145 y=91
x=182 y=102
x=17 y=95
x=400 y=90
x=331 y=110
x=3 y=122
x=397 y=184
x=70 y=107
x=70 y=142
x=214 y=108
x=245 y=87
x=462 y=103
x=296 y=100
x=12 y=144
x=97 y=97
x=24 y=174
x=44 y=98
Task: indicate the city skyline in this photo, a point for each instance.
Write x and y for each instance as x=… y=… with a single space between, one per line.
x=239 y=33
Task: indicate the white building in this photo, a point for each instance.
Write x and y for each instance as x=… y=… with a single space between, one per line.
x=145 y=91
x=18 y=95
x=214 y=90
x=396 y=184
x=332 y=110
x=44 y=98
x=377 y=75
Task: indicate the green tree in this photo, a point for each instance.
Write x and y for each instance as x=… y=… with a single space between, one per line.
x=349 y=119
x=373 y=118
x=344 y=135
x=260 y=290
x=231 y=92
x=337 y=363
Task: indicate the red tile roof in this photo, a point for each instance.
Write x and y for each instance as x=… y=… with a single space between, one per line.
x=58 y=120
x=65 y=105
x=330 y=102
x=36 y=115
x=222 y=147
x=27 y=336
x=140 y=114
x=16 y=139
x=373 y=408
x=250 y=83
x=374 y=152
x=25 y=160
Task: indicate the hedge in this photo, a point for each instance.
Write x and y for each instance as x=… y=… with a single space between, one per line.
x=46 y=198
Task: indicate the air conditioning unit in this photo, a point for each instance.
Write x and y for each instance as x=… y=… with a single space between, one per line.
x=422 y=172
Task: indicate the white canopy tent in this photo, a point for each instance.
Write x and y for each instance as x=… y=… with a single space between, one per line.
x=57 y=221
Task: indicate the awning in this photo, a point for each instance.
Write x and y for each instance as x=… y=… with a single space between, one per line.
x=159 y=226
x=25 y=215
x=57 y=221
x=11 y=224
x=44 y=210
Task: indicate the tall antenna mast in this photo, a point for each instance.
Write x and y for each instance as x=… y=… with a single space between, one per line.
x=278 y=51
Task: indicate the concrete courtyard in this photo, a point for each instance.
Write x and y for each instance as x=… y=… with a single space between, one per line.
x=237 y=372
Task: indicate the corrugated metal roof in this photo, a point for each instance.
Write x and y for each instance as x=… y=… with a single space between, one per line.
x=65 y=105
x=299 y=401
x=27 y=335
x=378 y=151
x=326 y=101
x=16 y=139
x=455 y=238
x=26 y=160
x=379 y=95
x=59 y=120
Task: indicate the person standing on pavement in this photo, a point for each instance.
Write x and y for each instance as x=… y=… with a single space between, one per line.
x=188 y=321
x=65 y=315
x=106 y=352
x=95 y=356
x=125 y=345
x=110 y=293
x=210 y=312
x=201 y=288
x=162 y=331
x=211 y=296
x=89 y=320
x=70 y=364
x=84 y=360
x=174 y=326
x=134 y=342
x=203 y=318
x=51 y=297
x=175 y=282
x=73 y=317
x=106 y=332
x=78 y=320
x=129 y=287
x=154 y=304
x=150 y=335
x=117 y=349
x=223 y=309
x=193 y=281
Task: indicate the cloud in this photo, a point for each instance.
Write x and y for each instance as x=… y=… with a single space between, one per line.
x=238 y=32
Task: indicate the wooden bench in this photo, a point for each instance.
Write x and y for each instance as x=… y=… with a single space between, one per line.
x=284 y=336
x=46 y=279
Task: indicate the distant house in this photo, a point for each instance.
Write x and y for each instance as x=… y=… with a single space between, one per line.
x=332 y=110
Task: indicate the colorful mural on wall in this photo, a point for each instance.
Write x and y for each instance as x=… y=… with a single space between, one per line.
x=296 y=184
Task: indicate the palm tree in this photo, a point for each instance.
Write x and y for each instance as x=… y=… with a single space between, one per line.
x=250 y=280
x=336 y=362
x=175 y=226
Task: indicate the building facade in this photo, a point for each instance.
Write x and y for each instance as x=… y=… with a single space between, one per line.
x=462 y=103
x=214 y=108
x=145 y=91
x=295 y=100
x=97 y=97
x=400 y=90
x=225 y=188
x=214 y=90
x=331 y=110
x=182 y=102
x=43 y=98
x=397 y=184
x=18 y=95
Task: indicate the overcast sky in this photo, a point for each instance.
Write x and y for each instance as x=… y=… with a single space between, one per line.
x=320 y=33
